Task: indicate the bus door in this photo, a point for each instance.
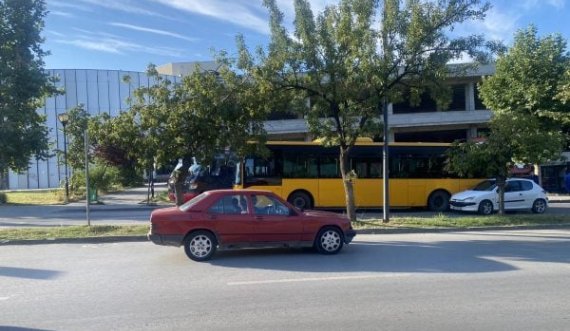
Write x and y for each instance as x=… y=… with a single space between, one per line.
x=400 y=172
x=331 y=189
x=368 y=184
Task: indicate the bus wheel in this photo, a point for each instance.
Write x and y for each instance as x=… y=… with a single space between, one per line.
x=438 y=201
x=300 y=200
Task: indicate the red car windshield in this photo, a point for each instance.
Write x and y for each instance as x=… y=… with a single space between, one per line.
x=192 y=202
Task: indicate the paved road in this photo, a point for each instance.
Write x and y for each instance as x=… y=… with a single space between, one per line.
x=502 y=280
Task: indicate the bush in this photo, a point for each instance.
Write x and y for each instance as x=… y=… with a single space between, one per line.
x=129 y=176
x=3 y=198
x=103 y=178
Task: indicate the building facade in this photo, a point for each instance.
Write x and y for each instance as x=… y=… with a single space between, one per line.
x=99 y=91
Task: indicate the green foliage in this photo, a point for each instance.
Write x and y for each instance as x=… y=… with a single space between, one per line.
x=23 y=83
x=129 y=177
x=103 y=177
x=530 y=77
x=523 y=95
x=529 y=113
x=514 y=138
x=75 y=130
x=348 y=66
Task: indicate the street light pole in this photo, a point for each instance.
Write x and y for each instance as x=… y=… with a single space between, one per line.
x=386 y=164
x=64 y=119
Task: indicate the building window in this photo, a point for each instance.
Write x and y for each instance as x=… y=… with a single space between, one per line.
x=447 y=136
x=478 y=101
x=457 y=98
x=426 y=104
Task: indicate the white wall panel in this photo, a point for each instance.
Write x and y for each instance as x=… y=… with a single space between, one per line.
x=70 y=89
x=81 y=87
x=114 y=93
x=43 y=174
x=103 y=88
x=100 y=91
x=92 y=92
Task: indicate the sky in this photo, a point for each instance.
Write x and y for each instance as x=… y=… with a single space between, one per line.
x=131 y=34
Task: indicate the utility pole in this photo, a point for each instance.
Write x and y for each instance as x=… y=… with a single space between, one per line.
x=386 y=165
x=86 y=138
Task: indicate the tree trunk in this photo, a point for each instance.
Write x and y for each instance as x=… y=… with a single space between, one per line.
x=181 y=175
x=347 y=182
x=501 y=190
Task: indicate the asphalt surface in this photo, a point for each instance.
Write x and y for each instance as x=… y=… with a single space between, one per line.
x=129 y=208
x=493 y=280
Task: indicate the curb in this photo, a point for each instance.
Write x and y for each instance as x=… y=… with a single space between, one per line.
x=469 y=229
x=117 y=239
x=86 y=240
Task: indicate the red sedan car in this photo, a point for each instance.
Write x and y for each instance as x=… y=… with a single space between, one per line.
x=230 y=219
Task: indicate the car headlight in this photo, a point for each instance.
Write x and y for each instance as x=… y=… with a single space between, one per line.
x=469 y=199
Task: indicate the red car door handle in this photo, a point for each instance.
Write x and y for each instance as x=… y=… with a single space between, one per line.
x=259 y=218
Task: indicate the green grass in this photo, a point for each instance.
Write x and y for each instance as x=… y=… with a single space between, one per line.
x=79 y=231
x=35 y=197
x=461 y=222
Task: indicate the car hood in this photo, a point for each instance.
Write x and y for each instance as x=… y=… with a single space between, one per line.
x=470 y=193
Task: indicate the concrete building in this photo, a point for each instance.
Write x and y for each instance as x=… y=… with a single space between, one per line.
x=100 y=91
x=182 y=69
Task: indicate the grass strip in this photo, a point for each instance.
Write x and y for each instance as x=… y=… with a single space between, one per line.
x=75 y=231
x=439 y=221
x=462 y=222
x=35 y=197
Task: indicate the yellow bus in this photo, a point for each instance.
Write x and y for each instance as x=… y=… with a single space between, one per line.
x=307 y=175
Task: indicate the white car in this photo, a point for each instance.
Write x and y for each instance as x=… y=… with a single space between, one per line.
x=484 y=198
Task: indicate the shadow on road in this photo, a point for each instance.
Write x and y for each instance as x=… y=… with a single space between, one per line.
x=29 y=273
x=405 y=257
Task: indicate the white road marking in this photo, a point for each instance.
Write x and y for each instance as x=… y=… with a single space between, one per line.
x=314 y=279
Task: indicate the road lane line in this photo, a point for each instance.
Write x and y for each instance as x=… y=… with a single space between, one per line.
x=314 y=279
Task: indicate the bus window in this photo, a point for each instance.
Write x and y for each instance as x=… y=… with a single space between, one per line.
x=361 y=168
x=329 y=167
x=367 y=167
x=260 y=171
x=299 y=166
x=375 y=169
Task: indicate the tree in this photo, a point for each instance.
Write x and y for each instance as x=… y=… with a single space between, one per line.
x=204 y=114
x=23 y=84
x=199 y=117
x=525 y=95
x=355 y=57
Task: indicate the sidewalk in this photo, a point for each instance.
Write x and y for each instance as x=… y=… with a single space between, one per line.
x=129 y=198
x=558 y=198
x=133 y=196
x=138 y=196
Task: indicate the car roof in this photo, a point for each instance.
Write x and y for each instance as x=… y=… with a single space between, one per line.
x=511 y=179
x=231 y=191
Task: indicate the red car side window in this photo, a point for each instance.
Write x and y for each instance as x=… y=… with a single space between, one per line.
x=229 y=205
